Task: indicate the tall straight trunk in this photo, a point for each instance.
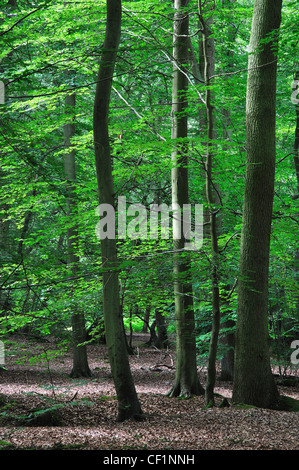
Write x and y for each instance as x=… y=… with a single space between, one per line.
x=186 y=380
x=211 y=199
x=147 y=313
x=253 y=379
x=128 y=403
x=228 y=340
x=80 y=361
x=296 y=164
x=295 y=91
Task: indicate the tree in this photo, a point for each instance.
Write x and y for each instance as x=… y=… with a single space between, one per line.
x=128 y=403
x=208 y=58
x=80 y=362
x=186 y=380
x=295 y=89
x=295 y=93
x=253 y=380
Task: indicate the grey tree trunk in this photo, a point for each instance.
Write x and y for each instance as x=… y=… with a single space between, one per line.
x=208 y=56
x=147 y=313
x=128 y=403
x=296 y=140
x=162 y=337
x=80 y=361
x=253 y=380
x=186 y=381
x=296 y=164
x=227 y=362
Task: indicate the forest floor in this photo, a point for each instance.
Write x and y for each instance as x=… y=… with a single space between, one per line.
x=87 y=408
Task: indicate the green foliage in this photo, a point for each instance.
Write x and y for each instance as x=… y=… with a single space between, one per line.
x=288 y=404
x=46 y=415
x=4 y=445
x=135 y=323
x=53 y=51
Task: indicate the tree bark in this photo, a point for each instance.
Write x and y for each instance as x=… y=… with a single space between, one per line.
x=227 y=362
x=186 y=381
x=208 y=53
x=296 y=164
x=80 y=361
x=147 y=313
x=128 y=403
x=253 y=380
x=296 y=140
x=162 y=338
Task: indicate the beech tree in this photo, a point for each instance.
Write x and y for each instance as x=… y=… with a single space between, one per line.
x=253 y=380
x=211 y=197
x=128 y=403
x=186 y=380
x=80 y=361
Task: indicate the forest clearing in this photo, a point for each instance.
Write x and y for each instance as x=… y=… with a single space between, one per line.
x=89 y=409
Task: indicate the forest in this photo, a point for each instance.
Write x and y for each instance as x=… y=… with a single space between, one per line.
x=149 y=172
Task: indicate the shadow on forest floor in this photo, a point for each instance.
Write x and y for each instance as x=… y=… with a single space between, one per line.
x=41 y=407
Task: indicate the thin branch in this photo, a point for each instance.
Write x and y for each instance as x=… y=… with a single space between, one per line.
x=21 y=19
x=137 y=114
x=227 y=242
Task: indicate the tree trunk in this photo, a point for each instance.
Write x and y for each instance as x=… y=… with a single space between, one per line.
x=128 y=403
x=162 y=338
x=186 y=380
x=227 y=362
x=296 y=140
x=253 y=380
x=147 y=313
x=80 y=362
x=296 y=164
x=208 y=55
